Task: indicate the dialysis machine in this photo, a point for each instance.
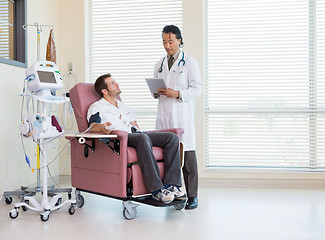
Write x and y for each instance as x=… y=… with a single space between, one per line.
x=42 y=80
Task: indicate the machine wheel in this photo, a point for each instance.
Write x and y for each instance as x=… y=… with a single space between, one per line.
x=45 y=216
x=72 y=210
x=179 y=206
x=80 y=201
x=58 y=202
x=24 y=207
x=13 y=214
x=130 y=213
x=8 y=199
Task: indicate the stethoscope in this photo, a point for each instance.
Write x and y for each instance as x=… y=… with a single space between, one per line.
x=179 y=62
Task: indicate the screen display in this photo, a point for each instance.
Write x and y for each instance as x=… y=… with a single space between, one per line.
x=46 y=77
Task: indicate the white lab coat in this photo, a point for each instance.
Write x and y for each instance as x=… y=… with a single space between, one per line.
x=176 y=113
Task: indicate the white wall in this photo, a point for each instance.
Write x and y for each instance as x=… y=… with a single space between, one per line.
x=194 y=45
x=72 y=49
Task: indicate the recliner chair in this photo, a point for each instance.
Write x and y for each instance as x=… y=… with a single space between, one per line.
x=108 y=166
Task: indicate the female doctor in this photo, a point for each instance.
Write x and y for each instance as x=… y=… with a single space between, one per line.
x=176 y=104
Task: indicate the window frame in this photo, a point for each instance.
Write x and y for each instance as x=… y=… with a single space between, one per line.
x=20 y=36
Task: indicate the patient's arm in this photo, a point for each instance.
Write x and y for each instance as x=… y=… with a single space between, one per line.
x=100 y=128
x=134 y=123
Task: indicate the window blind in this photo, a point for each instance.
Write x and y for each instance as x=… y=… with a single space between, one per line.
x=7 y=29
x=125 y=40
x=265 y=88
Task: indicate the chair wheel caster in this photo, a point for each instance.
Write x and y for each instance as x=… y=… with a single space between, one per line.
x=130 y=213
x=179 y=206
x=80 y=200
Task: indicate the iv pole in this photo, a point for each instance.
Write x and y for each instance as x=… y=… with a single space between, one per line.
x=39 y=30
x=25 y=191
x=46 y=206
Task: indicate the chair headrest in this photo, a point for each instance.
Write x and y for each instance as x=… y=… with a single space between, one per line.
x=82 y=96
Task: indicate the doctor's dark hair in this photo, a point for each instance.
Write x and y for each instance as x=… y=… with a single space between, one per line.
x=100 y=84
x=175 y=30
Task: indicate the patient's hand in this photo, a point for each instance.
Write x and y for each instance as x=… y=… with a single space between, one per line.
x=102 y=128
x=106 y=128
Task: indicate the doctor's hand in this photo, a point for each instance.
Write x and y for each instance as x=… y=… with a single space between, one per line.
x=169 y=92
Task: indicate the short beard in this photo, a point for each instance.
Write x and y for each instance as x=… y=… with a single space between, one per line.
x=114 y=94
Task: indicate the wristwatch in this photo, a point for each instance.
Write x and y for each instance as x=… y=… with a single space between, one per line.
x=179 y=96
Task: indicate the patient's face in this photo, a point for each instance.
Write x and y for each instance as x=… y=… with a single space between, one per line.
x=113 y=87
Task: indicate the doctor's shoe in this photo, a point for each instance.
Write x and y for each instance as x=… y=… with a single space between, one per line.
x=176 y=190
x=163 y=195
x=192 y=203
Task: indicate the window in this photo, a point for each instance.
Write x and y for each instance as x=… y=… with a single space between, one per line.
x=125 y=40
x=12 y=35
x=265 y=87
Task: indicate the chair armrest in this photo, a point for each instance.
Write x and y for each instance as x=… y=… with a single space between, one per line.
x=120 y=134
x=178 y=131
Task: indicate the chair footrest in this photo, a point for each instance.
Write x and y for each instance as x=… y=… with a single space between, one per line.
x=150 y=201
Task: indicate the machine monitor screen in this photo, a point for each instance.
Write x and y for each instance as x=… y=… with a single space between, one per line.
x=46 y=77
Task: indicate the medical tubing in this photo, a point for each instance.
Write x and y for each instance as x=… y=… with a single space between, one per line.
x=12 y=162
x=53 y=158
x=64 y=113
x=49 y=172
x=88 y=129
x=67 y=79
x=69 y=75
x=22 y=102
x=26 y=157
x=63 y=147
x=66 y=161
x=64 y=166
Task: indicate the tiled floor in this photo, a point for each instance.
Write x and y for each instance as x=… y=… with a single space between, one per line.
x=223 y=214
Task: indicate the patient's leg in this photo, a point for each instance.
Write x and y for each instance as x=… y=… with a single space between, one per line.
x=148 y=164
x=172 y=165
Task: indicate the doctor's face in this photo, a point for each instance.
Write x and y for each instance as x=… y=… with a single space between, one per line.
x=112 y=87
x=171 y=43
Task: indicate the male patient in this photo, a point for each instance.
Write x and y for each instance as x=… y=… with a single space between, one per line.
x=109 y=113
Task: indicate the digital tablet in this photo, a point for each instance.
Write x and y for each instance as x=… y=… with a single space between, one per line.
x=155 y=83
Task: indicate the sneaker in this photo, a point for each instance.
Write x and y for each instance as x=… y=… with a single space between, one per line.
x=163 y=195
x=176 y=190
